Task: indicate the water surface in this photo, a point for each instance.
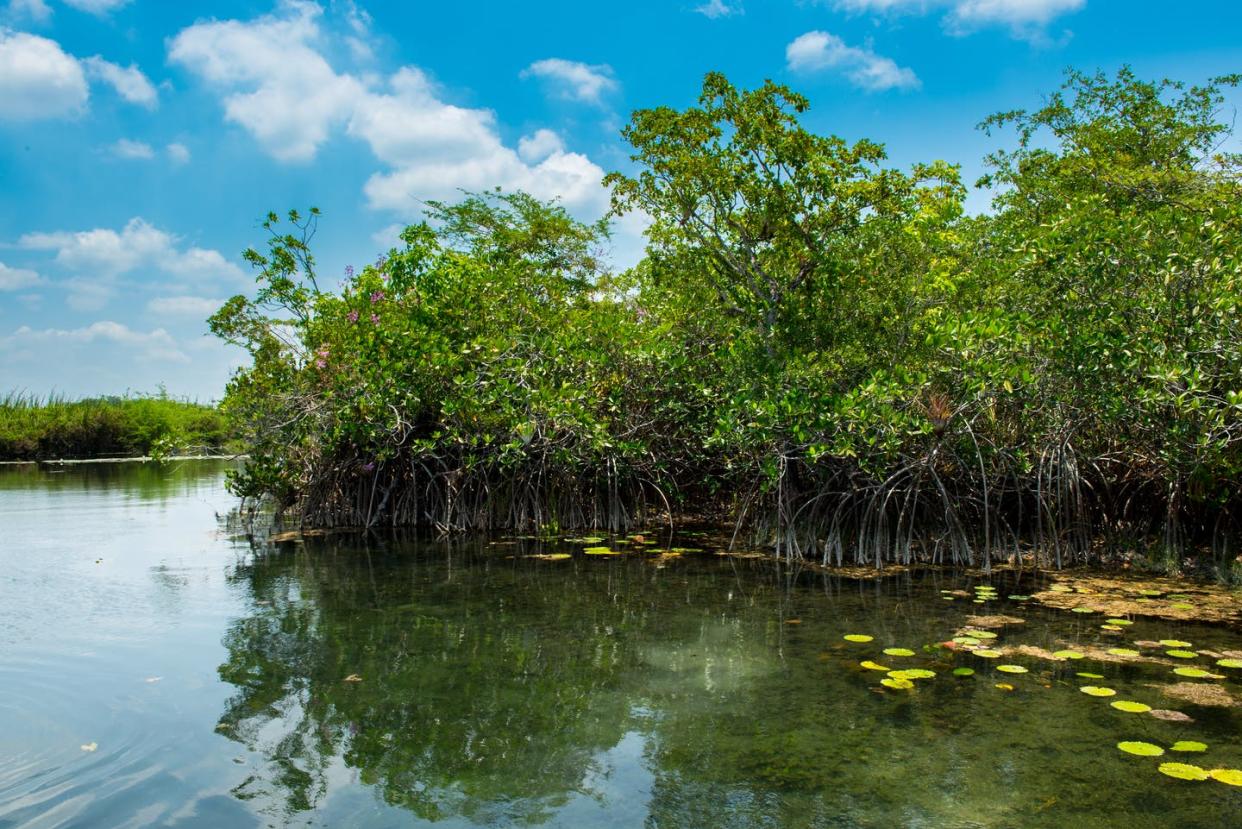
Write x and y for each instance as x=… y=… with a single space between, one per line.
x=389 y=682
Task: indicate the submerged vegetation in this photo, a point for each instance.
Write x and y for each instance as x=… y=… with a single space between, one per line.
x=823 y=348
x=51 y=428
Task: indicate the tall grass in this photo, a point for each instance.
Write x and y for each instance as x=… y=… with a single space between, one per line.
x=37 y=428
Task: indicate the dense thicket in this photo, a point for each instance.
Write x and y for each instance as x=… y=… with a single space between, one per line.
x=818 y=346
x=41 y=428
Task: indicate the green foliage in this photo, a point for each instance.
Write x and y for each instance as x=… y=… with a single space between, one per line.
x=157 y=425
x=817 y=344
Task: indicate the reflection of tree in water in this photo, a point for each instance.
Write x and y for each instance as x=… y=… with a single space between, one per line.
x=488 y=696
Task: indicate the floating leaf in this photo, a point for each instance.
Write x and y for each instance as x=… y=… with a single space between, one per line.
x=1119 y=621
x=873 y=666
x=1081 y=609
x=1130 y=707
x=601 y=551
x=1182 y=654
x=1150 y=593
x=966 y=640
x=1096 y=691
x=981 y=634
x=1196 y=673
x=1174 y=643
x=1231 y=777
x=590 y=539
x=1182 y=606
x=1183 y=771
x=898 y=652
x=987 y=654
x=963 y=671
x=857 y=637
x=1229 y=663
x=1011 y=669
x=1068 y=655
x=1111 y=628
x=897 y=684
x=1188 y=745
x=1086 y=675
x=1061 y=588
x=551 y=556
x=1018 y=598
x=1123 y=652
x=1004 y=686
x=912 y=673
x=1140 y=748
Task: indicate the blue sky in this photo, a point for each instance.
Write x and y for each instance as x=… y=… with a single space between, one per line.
x=141 y=140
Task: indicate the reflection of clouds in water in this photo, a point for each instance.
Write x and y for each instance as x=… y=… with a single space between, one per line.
x=723 y=658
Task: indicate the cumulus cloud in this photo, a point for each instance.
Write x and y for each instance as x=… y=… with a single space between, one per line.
x=273 y=82
x=178 y=153
x=276 y=83
x=821 y=51
x=157 y=344
x=38 y=79
x=1026 y=19
x=99 y=256
x=128 y=81
x=132 y=150
x=539 y=145
x=16 y=279
x=573 y=80
x=37 y=10
x=719 y=8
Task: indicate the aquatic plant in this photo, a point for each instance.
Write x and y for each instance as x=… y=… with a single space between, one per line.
x=1140 y=748
x=1097 y=691
x=1231 y=777
x=1183 y=771
x=1130 y=707
x=1188 y=746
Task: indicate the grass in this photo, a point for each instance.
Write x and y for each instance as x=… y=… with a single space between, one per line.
x=34 y=428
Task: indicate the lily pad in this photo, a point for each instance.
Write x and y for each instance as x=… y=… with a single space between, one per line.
x=1123 y=652
x=898 y=652
x=1130 y=707
x=982 y=634
x=1230 y=777
x=1188 y=745
x=601 y=551
x=857 y=637
x=966 y=640
x=1182 y=606
x=912 y=673
x=1004 y=686
x=987 y=654
x=873 y=666
x=1086 y=675
x=1119 y=621
x=1229 y=663
x=1140 y=748
x=963 y=671
x=1067 y=655
x=897 y=684
x=1112 y=628
x=1096 y=691
x=1184 y=771
x=1011 y=669
x=1182 y=654
x=1081 y=609
x=1019 y=598
x=1196 y=673
x=1174 y=643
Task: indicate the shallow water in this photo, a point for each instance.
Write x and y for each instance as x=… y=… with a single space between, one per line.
x=345 y=682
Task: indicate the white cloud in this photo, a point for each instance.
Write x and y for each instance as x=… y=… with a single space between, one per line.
x=178 y=153
x=574 y=80
x=134 y=150
x=819 y=51
x=37 y=10
x=1026 y=19
x=274 y=83
x=539 y=145
x=719 y=8
x=29 y=343
x=128 y=81
x=96 y=7
x=102 y=255
x=38 y=79
x=15 y=279
x=192 y=306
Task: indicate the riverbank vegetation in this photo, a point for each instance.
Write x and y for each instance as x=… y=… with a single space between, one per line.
x=819 y=346
x=33 y=428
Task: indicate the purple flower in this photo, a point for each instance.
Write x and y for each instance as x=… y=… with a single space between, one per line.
x=352 y=316
x=381 y=262
x=321 y=363
x=375 y=319
x=349 y=270
x=376 y=297
x=368 y=467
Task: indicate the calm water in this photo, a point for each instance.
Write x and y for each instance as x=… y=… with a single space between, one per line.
x=349 y=683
